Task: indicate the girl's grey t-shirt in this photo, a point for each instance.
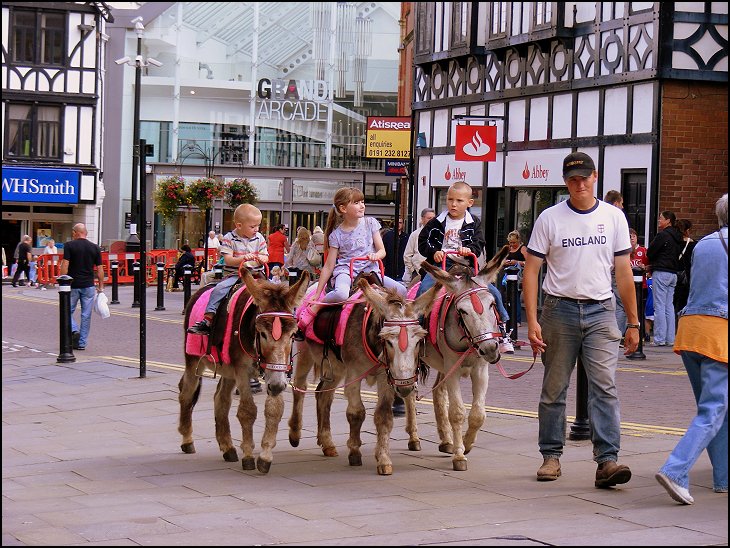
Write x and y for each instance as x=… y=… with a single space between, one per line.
x=357 y=242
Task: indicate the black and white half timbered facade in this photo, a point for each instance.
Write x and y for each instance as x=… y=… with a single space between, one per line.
x=630 y=83
x=52 y=84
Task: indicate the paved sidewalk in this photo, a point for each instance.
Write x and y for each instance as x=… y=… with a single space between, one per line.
x=91 y=456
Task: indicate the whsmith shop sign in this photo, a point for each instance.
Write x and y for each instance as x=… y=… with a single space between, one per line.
x=49 y=186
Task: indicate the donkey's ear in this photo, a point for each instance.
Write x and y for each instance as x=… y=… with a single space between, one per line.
x=441 y=276
x=297 y=292
x=491 y=269
x=423 y=304
x=252 y=285
x=376 y=299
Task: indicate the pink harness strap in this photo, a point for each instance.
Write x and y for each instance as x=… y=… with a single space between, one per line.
x=196 y=345
x=347 y=309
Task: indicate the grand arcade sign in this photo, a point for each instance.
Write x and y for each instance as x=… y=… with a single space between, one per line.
x=304 y=100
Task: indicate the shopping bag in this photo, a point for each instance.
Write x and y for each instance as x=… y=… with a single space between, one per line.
x=101 y=305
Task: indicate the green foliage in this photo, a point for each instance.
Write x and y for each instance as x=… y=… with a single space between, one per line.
x=202 y=192
x=169 y=195
x=240 y=191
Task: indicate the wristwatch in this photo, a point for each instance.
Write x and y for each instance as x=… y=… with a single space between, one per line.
x=634 y=325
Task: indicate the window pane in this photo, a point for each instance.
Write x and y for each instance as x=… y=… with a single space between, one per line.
x=19 y=130
x=24 y=36
x=54 y=26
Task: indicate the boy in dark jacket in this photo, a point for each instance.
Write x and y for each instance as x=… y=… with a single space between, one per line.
x=454 y=230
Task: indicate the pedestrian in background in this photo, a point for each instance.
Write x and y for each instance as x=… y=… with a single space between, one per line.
x=615 y=198
x=578 y=316
x=412 y=259
x=663 y=254
x=681 y=292
x=516 y=258
x=25 y=256
x=301 y=253
x=702 y=341
x=394 y=264
x=318 y=241
x=278 y=245
x=186 y=259
x=81 y=261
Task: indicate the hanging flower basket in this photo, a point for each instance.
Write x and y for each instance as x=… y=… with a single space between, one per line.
x=240 y=191
x=202 y=192
x=170 y=194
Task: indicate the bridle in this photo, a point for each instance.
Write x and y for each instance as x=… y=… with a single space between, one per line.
x=473 y=340
x=402 y=345
x=276 y=332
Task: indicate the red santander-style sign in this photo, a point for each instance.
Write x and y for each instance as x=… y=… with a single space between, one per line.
x=476 y=143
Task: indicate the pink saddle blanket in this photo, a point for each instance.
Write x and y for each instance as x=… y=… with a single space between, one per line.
x=197 y=345
x=433 y=318
x=344 y=316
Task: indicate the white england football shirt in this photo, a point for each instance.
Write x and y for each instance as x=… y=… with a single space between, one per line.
x=579 y=248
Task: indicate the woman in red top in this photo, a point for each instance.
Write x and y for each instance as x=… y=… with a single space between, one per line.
x=278 y=245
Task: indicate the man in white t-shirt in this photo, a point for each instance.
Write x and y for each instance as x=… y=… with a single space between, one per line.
x=581 y=239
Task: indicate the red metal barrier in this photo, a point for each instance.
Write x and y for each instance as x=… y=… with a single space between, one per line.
x=49 y=266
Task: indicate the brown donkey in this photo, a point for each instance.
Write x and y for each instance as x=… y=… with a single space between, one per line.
x=382 y=344
x=260 y=330
x=463 y=340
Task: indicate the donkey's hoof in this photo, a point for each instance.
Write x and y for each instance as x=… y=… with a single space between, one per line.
x=385 y=469
x=460 y=465
x=188 y=448
x=414 y=445
x=248 y=463
x=230 y=455
x=263 y=465
x=294 y=442
x=446 y=447
x=330 y=451
x=356 y=460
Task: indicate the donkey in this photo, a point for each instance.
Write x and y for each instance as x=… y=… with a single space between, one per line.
x=259 y=331
x=382 y=344
x=463 y=339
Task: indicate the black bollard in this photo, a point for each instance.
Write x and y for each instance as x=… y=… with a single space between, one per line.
x=638 y=354
x=135 y=269
x=115 y=283
x=187 y=273
x=581 y=427
x=160 y=286
x=217 y=271
x=514 y=300
x=64 y=311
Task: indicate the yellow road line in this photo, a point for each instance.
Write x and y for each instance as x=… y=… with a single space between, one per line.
x=114 y=311
x=630 y=428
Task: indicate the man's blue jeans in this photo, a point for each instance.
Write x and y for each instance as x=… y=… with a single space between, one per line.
x=709 y=428
x=663 y=288
x=86 y=296
x=571 y=330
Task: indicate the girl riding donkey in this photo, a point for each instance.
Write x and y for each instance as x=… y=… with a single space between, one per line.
x=349 y=234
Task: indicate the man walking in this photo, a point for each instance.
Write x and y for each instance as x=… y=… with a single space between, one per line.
x=25 y=255
x=81 y=259
x=581 y=239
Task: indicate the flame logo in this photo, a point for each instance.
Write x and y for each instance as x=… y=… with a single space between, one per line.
x=447 y=175
x=477 y=146
x=526 y=172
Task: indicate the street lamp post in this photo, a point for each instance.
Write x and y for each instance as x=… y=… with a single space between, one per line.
x=209 y=165
x=134 y=242
x=138 y=62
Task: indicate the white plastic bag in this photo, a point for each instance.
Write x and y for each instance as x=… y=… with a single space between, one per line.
x=101 y=305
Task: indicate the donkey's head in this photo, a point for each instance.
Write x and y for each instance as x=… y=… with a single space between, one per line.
x=473 y=305
x=400 y=332
x=275 y=326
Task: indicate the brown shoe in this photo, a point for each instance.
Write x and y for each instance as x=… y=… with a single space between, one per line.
x=550 y=469
x=609 y=473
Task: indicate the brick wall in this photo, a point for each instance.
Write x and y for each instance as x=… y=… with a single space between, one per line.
x=694 y=152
